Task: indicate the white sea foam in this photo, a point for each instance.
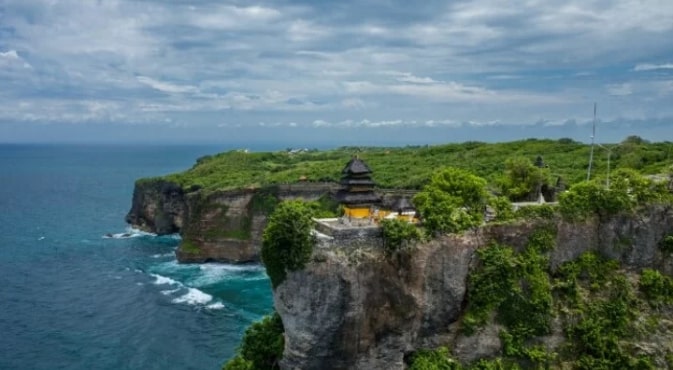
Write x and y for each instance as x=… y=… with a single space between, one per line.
x=215 y=272
x=128 y=233
x=194 y=297
x=163 y=280
x=215 y=306
x=169 y=291
x=162 y=255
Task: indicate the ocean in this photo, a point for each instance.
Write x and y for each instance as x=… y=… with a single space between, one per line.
x=73 y=298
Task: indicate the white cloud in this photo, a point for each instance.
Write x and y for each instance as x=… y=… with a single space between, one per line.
x=408 y=77
x=166 y=86
x=228 y=17
x=11 y=58
x=652 y=67
x=483 y=61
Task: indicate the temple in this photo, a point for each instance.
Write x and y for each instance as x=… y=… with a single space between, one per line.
x=357 y=195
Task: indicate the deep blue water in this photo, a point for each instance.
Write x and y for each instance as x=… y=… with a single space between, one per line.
x=72 y=299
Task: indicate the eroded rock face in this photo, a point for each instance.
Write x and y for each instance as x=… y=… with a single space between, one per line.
x=360 y=309
x=158 y=206
x=220 y=226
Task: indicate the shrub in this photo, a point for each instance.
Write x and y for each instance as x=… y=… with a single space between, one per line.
x=666 y=244
x=438 y=359
x=502 y=207
x=591 y=198
x=453 y=201
x=522 y=180
x=261 y=347
x=657 y=288
x=516 y=286
x=542 y=211
x=287 y=242
x=398 y=234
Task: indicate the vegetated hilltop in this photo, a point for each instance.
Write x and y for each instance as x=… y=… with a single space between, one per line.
x=411 y=167
x=584 y=284
x=220 y=206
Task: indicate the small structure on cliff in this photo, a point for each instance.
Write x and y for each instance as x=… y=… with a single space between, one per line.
x=357 y=195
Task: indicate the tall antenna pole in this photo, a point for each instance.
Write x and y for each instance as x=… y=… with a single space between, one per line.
x=593 y=136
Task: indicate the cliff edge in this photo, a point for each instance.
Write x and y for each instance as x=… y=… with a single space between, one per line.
x=358 y=308
x=215 y=225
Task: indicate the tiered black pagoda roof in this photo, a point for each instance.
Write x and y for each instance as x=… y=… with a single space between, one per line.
x=358 y=184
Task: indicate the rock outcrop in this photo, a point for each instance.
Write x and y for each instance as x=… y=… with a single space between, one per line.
x=158 y=206
x=217 y=226
x=360 y=309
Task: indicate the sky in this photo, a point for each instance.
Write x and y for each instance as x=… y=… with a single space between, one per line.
x=321 y=73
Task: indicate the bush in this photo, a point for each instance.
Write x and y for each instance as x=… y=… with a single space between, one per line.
x=657 y=288
x=590 y=198
x=453 y=201
x=438 y=359
x=287 y=243
x=522 y=180
x=398 y=234
x=542 y=211
x=516 y=286
x=502 y=207
x=666 y=244
x=261 y=347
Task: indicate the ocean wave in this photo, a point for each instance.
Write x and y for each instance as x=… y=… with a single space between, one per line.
x=214 y=273
x=184 y=294
x=215 y=306
x=163 y=255
x=163 y=280
x=128 y=233
x=194 y=297
x=170 y=291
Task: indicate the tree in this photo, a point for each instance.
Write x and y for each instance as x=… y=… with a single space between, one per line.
x=261 y=347
x=397 y=234
x=522 y=180
x=287 y=242
x=453 y=201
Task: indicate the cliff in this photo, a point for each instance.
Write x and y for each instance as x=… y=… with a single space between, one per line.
x=356 y=308
x=216 y=226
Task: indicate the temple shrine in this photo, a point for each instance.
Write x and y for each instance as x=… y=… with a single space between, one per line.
x=357 y=195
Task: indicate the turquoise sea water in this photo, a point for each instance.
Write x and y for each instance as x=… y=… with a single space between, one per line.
x=71 y=298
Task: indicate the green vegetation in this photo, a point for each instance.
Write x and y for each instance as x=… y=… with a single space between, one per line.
x=541 y=211
x=261 y=347
x=666 y=244
x=453 y=201
x=188 y=246
x=287 y=241
x=522 y=180
x=602 y=311
x=399 y=234
x=411 y=167
x=627 y=190
x=657 y=288
x=517 y=287
x=598 y=308
x=438 y=359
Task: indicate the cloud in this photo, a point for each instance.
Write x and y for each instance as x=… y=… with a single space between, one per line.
x=408 y=77
x=652 y=67
x=165 y=86
x=474 y=62
x=11 y=58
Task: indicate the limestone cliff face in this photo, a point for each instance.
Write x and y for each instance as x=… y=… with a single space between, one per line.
x=158 y=206
x=218 y=226
x=359 y=309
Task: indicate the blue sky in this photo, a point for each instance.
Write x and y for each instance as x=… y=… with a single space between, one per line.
x=337 y=72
